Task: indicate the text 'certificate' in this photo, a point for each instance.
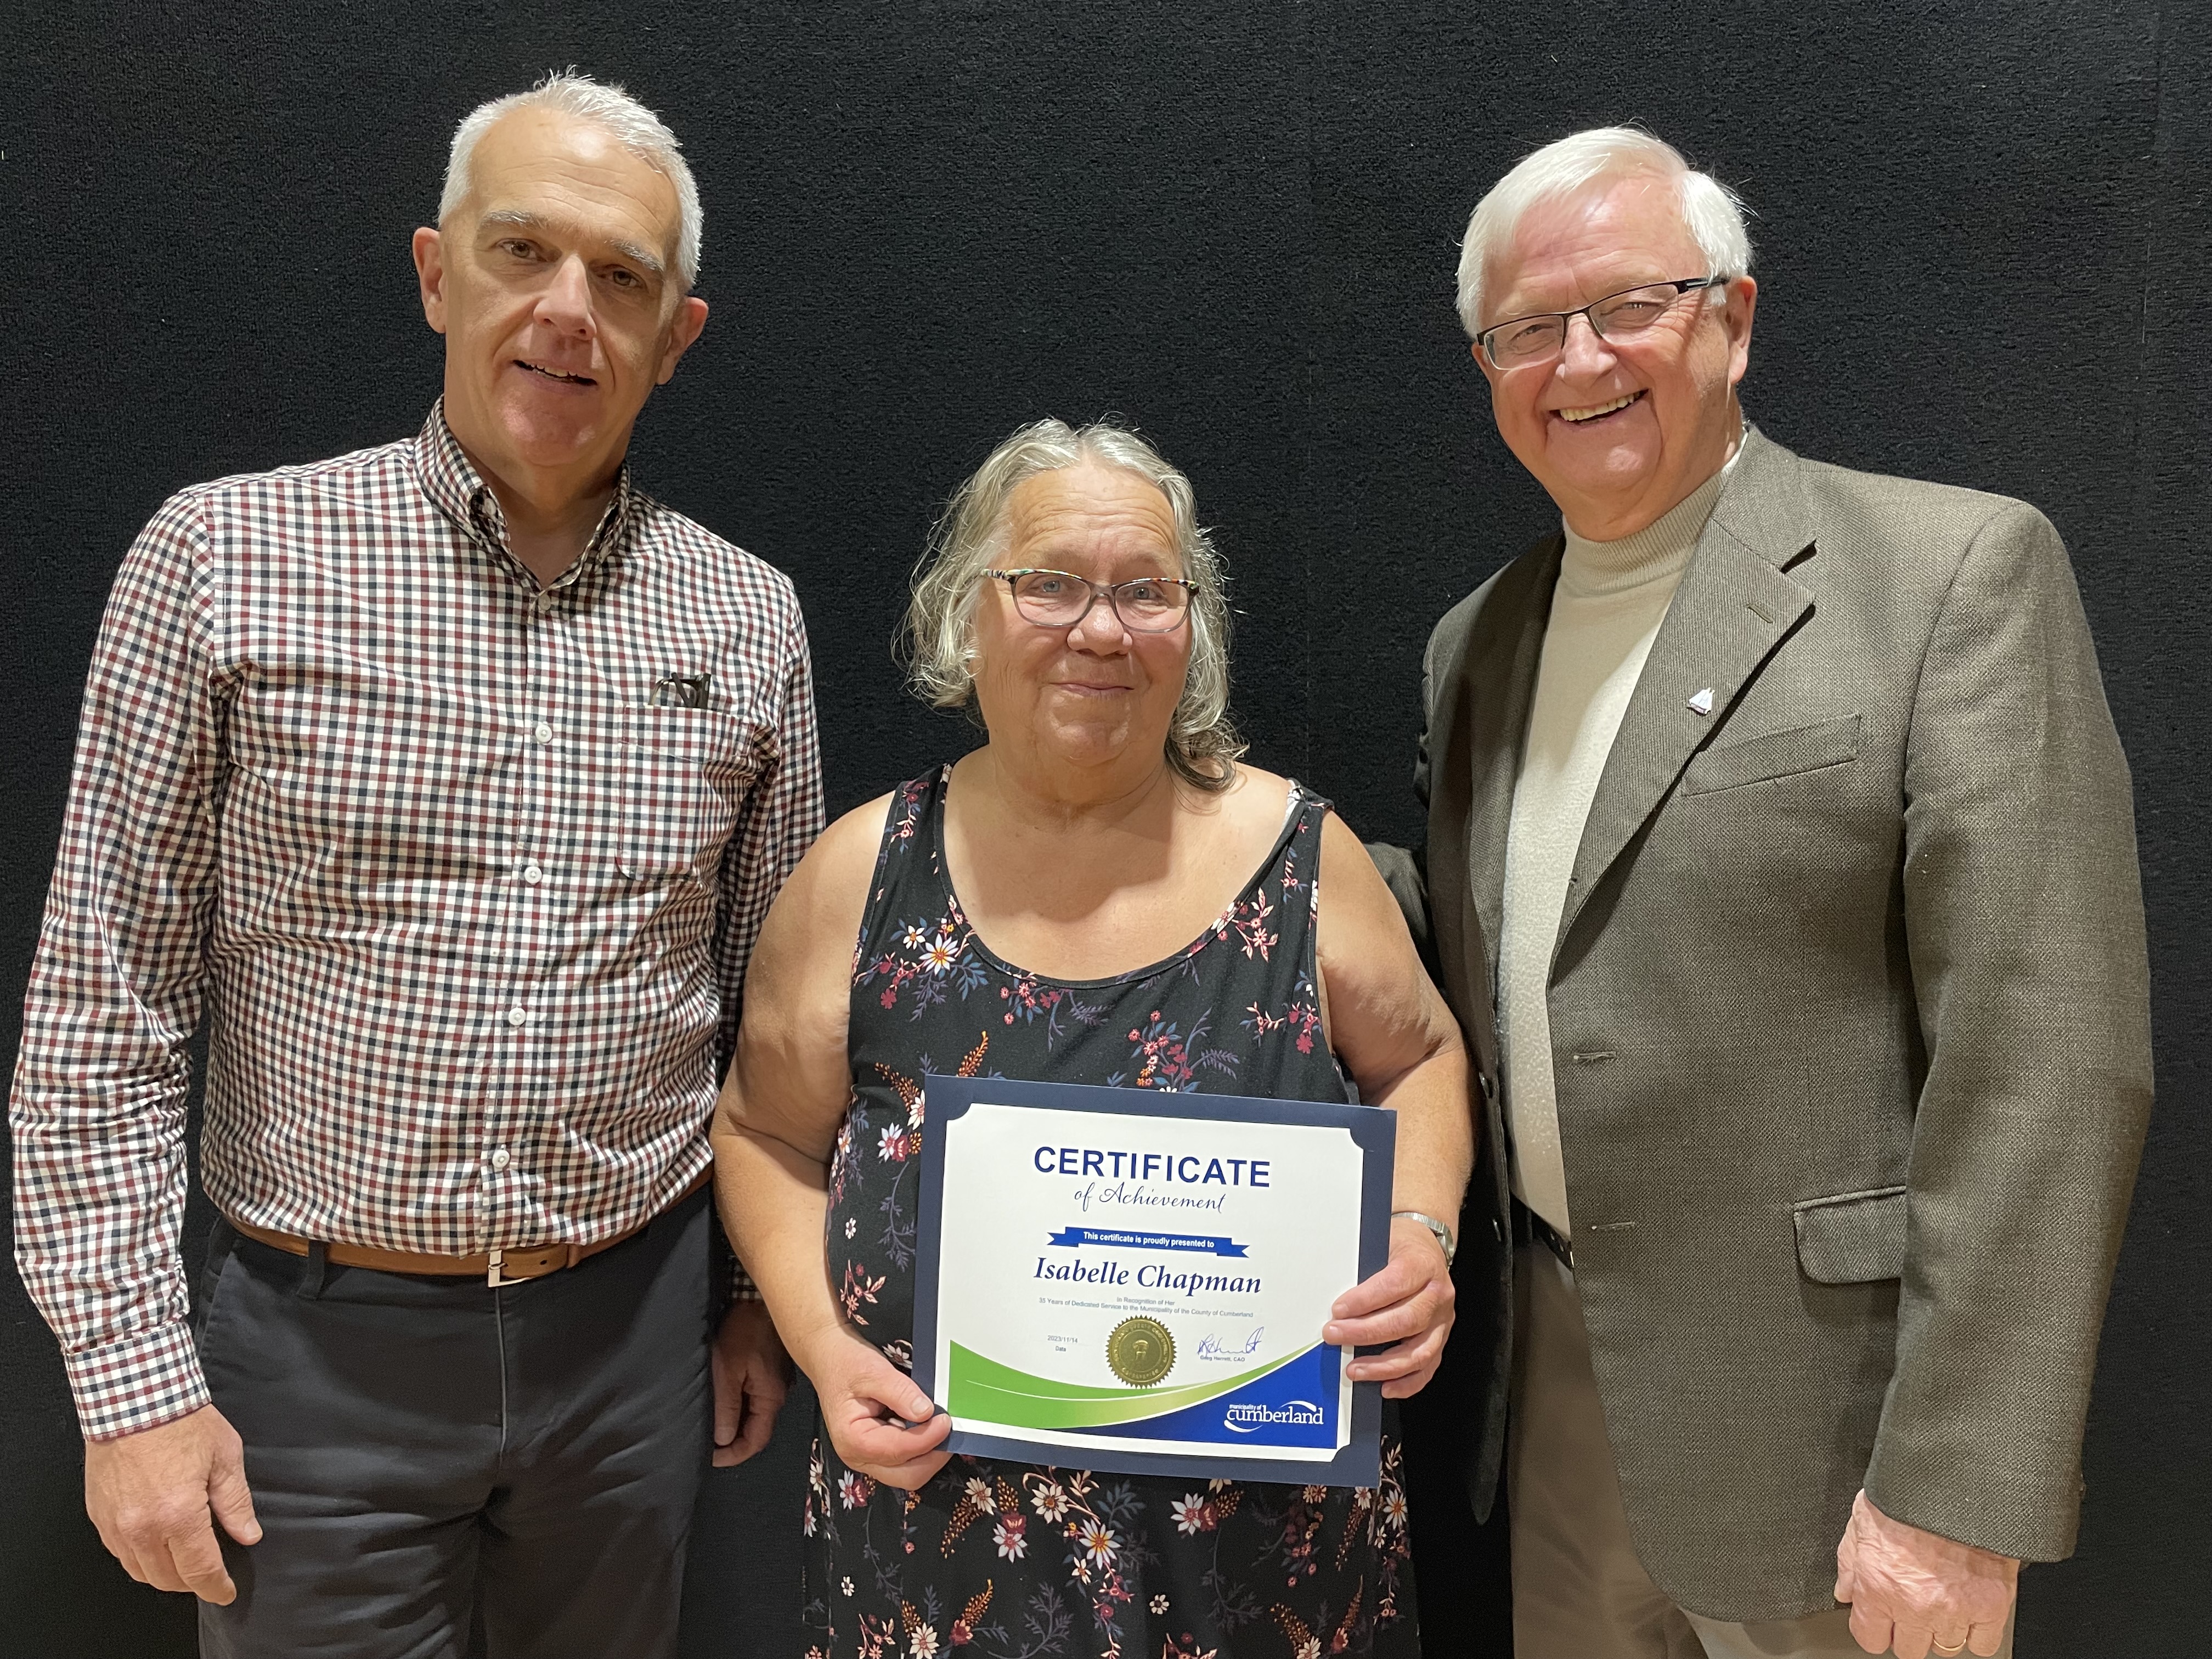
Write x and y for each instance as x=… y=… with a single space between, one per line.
x=1132 y=1280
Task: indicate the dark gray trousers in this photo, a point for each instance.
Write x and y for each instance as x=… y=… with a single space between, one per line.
x=425 y=1453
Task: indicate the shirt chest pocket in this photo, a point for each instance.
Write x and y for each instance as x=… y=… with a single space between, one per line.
x=685 y=773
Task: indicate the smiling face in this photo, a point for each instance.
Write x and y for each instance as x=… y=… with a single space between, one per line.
x=1094 y=694
x=554 y=284
x=1617 y=431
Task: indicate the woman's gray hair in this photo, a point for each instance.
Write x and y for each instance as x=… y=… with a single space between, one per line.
x=629 y=122
x=937 y=640
x=1711 y=212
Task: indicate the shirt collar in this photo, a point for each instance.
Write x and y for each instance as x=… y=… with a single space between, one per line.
x=452 y=482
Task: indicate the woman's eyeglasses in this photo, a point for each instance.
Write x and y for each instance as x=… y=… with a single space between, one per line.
x=1058 y=598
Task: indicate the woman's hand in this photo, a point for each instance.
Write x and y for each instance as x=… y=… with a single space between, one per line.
x=861 y=1394
x=1407 y=1304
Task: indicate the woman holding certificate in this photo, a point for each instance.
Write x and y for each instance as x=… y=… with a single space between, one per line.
x=1099 y=895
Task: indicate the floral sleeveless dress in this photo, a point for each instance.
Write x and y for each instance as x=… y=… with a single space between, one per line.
x=1017 y=1561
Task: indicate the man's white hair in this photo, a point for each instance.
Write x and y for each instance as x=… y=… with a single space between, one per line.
x=630 y=123
x=1711 y=212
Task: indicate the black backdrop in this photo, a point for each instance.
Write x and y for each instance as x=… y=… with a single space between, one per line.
x=1982 y=240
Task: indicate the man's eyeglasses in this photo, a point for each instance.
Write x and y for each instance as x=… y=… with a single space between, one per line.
x=1528 y=340
x=1055 y=599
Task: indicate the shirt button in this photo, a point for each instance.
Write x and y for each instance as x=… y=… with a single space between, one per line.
x=518 y=1016
x=533 y=874
x=541 y=732
x=501 y=1158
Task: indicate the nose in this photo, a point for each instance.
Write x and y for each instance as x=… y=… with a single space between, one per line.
x=565 y=303
x=1583 y=355
x=1099 y=628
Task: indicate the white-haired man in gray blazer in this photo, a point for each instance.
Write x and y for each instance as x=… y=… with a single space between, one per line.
x=1778 y=812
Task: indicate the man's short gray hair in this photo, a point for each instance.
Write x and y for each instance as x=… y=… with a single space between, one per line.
x=629 y=122
x=1711 y=212
x=937 y=640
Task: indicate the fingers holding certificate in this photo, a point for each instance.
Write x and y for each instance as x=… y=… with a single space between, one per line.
x=882 y=1425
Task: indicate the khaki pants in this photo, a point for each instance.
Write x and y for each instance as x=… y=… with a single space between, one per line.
x=1579 y=1590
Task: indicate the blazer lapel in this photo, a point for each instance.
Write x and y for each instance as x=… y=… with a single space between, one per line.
x=1502 y=654
x=1733 y=607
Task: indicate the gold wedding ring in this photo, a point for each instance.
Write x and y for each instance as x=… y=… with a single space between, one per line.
x=1947 y=1653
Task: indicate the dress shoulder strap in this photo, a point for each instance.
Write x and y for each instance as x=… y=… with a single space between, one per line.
x=907 y=855
x=1296 y=872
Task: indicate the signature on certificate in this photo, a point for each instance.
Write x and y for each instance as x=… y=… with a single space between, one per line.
x=1211 y=1346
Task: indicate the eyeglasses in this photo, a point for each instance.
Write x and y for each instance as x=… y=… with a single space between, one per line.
x=1624 y=315
x=1054 y=598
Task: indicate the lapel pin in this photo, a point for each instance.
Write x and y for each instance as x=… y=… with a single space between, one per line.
x=1701 y=703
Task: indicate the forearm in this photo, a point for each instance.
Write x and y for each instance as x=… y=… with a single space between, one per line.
x=2003 y=1297
x=98 y=1106
x=1388 y=1024
x=2024 y=923
x=99 y=1197
x=774 y=1200
x=98 y=1121
x=1435 y=1136
x=1408 y=1304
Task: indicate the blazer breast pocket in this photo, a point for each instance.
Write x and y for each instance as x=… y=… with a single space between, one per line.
x=1852 y=1239
x=1774 y=755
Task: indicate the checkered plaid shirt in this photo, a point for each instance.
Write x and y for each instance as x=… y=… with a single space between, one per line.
x=465 y=873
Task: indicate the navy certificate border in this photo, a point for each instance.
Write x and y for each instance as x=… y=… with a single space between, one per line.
x=1374 y=1130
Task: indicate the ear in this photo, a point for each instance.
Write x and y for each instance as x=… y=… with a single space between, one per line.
x=430 y=276
x=684 y=328
x=1743 y=301
x=1489 y=372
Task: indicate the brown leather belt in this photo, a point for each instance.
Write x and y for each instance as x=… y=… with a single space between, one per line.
x=496 y=1267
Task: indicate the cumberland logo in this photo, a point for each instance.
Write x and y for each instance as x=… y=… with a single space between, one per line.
x=1248 y=1419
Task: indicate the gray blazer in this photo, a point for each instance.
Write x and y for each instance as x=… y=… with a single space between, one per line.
x=1850 y=1021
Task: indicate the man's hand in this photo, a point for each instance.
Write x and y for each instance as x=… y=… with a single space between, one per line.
x=752 y=1374
x=1408 y=1304
x=151 y=1493
x=1914 y=1592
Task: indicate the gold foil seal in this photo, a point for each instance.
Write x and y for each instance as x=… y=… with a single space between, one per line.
x=1140 y=1351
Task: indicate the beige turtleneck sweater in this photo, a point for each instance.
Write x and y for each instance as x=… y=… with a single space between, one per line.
x=1611 y=599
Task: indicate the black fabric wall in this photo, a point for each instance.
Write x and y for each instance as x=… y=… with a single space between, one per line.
x=1982 y=241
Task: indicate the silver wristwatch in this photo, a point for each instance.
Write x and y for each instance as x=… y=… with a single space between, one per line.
x=1445 y=1241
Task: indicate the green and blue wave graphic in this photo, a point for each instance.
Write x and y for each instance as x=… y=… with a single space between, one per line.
x=1291 y=1401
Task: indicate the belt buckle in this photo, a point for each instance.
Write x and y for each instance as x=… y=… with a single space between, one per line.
x=493 y=1276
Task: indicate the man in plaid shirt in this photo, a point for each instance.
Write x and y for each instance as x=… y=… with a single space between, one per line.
x=449 y=781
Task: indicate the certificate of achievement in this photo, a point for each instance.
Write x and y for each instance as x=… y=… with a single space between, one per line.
x=1134 y=1280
